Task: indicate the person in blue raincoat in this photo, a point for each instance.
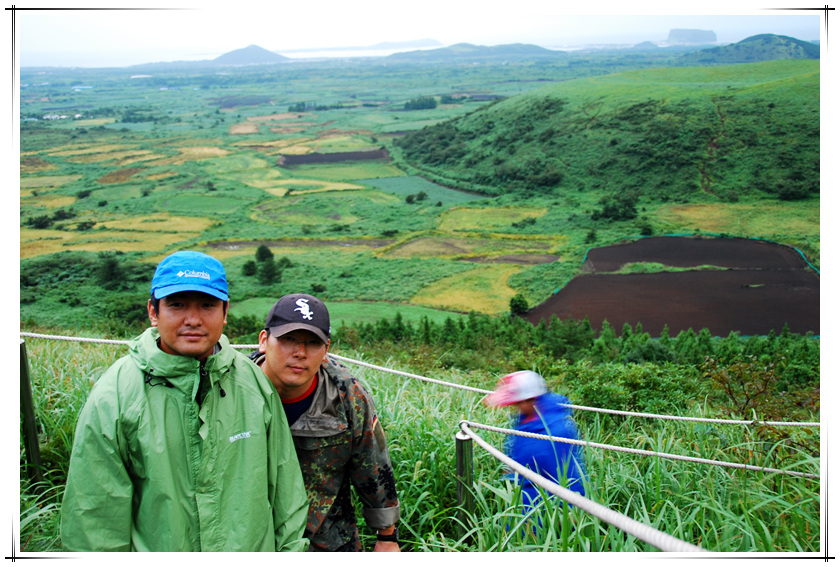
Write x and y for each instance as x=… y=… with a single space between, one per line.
x=543 y=412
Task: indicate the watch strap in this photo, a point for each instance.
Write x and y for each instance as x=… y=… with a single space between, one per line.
x=392 y=537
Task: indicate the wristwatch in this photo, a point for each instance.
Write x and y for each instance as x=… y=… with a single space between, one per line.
x=393 y=537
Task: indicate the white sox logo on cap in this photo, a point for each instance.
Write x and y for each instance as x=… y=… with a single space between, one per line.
x=303 y=307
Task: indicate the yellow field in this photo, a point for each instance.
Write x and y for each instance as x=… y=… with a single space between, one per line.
x=319 y=186
x=163 y=175
x=94 y=121
x=484 y=290
x=49 y=200
x=193 y=153
x=120 y=175
x=434 y=246
x=37 y=242
x=126 y=235
x=269 y=143
x=232 y=249
x=122 y=158
x=100 y=149
x=486 y=218
x=277 y=117
x=33 y=164
x=276 y=191
x=342 y=143
x=763 y=219
x=160 y=224
x=244 y=128
x=46 y=181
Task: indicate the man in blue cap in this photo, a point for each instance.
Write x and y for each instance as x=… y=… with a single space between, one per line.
x=183 y=444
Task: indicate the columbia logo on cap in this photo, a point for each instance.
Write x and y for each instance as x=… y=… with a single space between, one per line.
x=193 y=274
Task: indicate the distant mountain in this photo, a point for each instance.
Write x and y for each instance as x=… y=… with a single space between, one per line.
x=468 y=51
x=645 y=46
x=692 y=36
x=251 y=55
x=764 y=47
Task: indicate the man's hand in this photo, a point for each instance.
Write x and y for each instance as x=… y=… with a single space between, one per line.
x=386 y=546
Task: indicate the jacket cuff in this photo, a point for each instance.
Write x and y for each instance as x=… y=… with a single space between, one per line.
x=380 y=518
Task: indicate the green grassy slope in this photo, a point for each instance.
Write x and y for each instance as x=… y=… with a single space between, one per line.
x=674 y=133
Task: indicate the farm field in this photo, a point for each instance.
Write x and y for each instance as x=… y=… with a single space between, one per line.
x=755 y=276
x=227 y=169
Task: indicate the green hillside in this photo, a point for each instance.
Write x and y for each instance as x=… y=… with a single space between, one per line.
x=670 y=134
x=764 y=47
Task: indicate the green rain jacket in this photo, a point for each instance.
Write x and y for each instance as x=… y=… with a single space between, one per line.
x=151 y=470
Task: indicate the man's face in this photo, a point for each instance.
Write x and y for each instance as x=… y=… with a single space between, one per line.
x=190 y=323
x=292 y=361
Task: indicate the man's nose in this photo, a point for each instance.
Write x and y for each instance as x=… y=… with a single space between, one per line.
x=192 y=316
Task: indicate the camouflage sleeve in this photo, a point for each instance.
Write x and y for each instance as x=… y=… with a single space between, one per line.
x=371 y=472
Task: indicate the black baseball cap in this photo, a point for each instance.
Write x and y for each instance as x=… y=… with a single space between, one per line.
x=299 y=311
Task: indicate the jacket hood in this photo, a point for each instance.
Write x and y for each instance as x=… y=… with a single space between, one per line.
x=180 y=371
x=552 y=402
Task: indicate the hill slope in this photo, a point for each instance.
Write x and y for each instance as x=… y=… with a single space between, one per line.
x=673 y=133
x=468 y=51
x=764 y=47
x=251 y=55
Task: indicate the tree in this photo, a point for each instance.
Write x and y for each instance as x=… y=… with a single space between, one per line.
x=421 y=103
x=108 y=271
x=264 y=253
x=269 y=273
x=250 y=268
x=518 y=304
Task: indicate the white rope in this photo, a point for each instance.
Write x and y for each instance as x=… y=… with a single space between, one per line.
x=645 y=533
x=415 y=376
x=701 y=419
x=638 y=451
x=75 y=339
x=479 y=390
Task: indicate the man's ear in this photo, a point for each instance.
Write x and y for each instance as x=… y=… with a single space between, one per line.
x=226 y=307
x=263 y=340
x=152 y=315
x=325 y=353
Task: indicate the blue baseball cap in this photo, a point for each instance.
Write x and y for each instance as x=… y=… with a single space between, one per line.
x=190 y=271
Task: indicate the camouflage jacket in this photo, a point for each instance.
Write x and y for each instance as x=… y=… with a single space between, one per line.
x=340 y=442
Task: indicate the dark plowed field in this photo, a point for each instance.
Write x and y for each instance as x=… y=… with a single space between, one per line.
x=738 y=253
x=316 y=157
x=766 y=286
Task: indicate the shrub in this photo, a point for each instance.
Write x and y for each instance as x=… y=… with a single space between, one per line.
x=264 y=253
x=518 y=304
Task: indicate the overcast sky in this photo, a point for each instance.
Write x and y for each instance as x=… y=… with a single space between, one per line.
x=208 y=29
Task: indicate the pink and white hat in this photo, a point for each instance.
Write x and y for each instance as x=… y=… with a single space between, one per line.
x=516 y=387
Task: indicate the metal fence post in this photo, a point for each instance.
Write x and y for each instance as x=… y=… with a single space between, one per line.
x=30 y=432
x=464 y=471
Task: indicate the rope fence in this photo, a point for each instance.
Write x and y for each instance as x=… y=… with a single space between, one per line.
x=641 y=531
x=638 y=451
x=472 y=389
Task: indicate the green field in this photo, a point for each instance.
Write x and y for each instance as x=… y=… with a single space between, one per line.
x=355 y=312
x=419 y=257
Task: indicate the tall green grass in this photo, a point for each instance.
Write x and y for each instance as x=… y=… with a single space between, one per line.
x=719 y=509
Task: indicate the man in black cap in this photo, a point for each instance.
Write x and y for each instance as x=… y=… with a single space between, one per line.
x=337 y=434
